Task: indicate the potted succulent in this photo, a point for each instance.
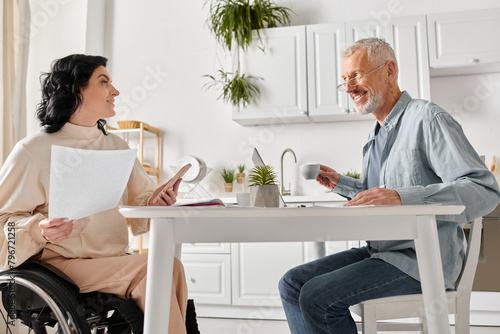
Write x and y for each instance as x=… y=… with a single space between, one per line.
x=228 y=176
x=264 y=191
x=233 y=21
x=240 y=176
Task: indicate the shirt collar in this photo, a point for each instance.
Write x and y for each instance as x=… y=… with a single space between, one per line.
x=392 y=119
x=80 y=132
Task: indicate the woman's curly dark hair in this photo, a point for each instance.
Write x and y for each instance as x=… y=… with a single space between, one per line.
x=61 y=90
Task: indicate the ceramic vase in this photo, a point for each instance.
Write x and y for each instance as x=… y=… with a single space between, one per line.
x=265 y=196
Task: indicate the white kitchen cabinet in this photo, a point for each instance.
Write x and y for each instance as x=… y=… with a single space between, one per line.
x=258 y=267
x=464 y=39
x=324 y=64
x=282 y=99
x=325 y=44
x=208 y=277
x=408 y=37
x=281 y=65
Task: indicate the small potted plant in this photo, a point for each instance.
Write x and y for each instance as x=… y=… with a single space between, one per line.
x=228 y=176
x=240 y=176
x=354 y=174
x=264 y=191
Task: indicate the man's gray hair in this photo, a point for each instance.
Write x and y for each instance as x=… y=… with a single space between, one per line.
x=379 y=51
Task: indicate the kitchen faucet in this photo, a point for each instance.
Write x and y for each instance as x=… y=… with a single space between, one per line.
x=285 y=192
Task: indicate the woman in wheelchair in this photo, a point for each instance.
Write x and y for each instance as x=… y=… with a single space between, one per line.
x=77 y=95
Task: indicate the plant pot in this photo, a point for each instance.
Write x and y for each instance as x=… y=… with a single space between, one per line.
x=240 y=178
x=265 y=196
x=228 y=187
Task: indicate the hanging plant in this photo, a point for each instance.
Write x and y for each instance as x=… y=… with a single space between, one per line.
x=237 y=18
x=237 y=90
x=234 y=21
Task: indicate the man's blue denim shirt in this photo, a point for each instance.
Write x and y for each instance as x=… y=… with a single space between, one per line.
x=428 y=160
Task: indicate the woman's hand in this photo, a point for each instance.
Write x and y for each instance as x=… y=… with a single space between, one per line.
x=328 y=177
x=56 y=230
x=165 y=197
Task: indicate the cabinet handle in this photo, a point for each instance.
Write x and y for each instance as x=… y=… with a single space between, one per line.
x=474 y=60
x=191 y=279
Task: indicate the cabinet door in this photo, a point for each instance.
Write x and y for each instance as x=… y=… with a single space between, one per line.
x=258 y=267
x=408 y=37
x=282 y=66
x=204 y=248
x=464 y=38
x=364 y=29
x=208 y=277
x=325 y=43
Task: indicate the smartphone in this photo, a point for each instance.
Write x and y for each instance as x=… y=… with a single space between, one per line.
x=177 y=176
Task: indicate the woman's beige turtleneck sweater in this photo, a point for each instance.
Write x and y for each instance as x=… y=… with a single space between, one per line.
x=24 y=199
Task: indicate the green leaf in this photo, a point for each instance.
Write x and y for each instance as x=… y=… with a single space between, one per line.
x=262 y=175
x=236 y=18
x=238 y=90
x=228 y=175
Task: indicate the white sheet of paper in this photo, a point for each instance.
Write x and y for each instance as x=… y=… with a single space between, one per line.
x=85 y=182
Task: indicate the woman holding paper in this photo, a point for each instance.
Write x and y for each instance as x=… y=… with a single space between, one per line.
x=76 y=97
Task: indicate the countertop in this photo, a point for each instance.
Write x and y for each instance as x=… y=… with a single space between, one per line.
x=319 y=198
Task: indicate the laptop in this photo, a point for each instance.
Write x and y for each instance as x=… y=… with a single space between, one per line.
x=257 y=161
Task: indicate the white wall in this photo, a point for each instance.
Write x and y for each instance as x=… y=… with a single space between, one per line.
x=57 y=29
x=159 y=51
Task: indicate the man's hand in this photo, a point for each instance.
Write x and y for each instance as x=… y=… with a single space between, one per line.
x=328 y=177
x=165 y=197
x=376 y=196
x=56 y=230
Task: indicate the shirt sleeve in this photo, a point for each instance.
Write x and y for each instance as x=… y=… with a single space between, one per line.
x=21 y=197
x=348 y=187
x=465 y=178
x=140 y=188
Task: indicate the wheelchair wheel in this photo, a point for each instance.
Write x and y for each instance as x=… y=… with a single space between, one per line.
x=35 y=300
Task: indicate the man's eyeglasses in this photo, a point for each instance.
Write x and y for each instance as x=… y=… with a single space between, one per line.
x=355 y=81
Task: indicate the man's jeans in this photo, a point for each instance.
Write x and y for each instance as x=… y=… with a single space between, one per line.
x=316 y=296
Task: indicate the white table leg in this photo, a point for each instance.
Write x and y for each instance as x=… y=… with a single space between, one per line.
x=431 y=275
x=318 y=249
x=159 y=280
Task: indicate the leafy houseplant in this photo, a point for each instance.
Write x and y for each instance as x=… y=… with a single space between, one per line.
x=264 y=191
x=233 y=21
x=240 y=176
x=236 y=89
x=228 y=176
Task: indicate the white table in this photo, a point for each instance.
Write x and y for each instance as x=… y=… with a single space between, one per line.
x=177 y=225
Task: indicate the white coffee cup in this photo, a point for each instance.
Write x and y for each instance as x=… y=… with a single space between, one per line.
x=243 y=199
x=310 y=171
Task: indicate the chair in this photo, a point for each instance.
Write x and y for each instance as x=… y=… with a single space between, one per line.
x=412 y=306
x=38 y=298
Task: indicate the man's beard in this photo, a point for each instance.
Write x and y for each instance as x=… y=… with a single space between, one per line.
x=373 y=103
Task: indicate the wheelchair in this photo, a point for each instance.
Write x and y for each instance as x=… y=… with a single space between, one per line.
x=38 y=298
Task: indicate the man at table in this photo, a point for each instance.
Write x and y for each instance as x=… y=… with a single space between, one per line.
x=416 y=154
